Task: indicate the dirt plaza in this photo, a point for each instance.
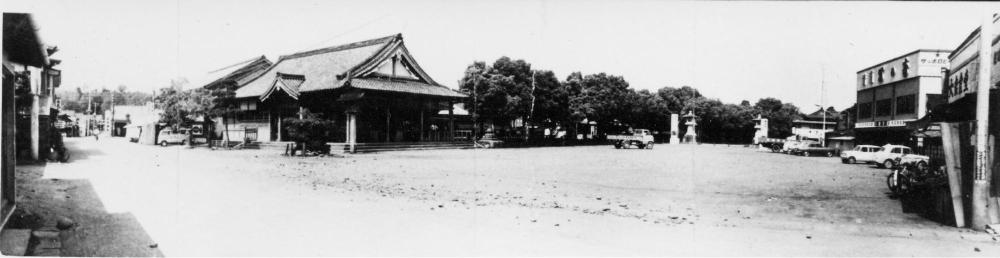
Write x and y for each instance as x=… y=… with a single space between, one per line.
x=140 y=200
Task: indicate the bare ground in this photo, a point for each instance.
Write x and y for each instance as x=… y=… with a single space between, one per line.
x=673 y=200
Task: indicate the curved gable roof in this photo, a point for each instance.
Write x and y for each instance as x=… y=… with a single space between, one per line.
x=321 y=67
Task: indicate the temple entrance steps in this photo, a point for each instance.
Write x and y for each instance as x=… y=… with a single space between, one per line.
x=340 y=147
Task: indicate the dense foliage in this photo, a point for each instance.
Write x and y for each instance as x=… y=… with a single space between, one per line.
x=311 y=130
x=503 y=92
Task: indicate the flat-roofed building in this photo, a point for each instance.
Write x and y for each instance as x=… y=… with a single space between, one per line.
x=897 y=91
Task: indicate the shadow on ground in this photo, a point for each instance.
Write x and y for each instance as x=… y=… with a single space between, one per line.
x=94 y=231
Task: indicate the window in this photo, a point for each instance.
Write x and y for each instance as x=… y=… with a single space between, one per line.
x=897 y=150
x=907 y=151
x=883 y=107
x=906 y=104
x=865 y=110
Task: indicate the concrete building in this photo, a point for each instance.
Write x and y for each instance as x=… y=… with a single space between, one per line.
x=897 y=91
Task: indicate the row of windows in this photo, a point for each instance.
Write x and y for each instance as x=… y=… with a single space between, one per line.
x=904 y=105
x=872 y=77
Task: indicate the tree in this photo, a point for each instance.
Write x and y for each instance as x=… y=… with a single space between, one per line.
x=780 y=116
x=179 y=105
x=502 y=91
x=602 y=98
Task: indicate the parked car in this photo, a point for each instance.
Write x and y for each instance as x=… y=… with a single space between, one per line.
x=169 y=136
x=889 y=154
x=814 y=149
x=860 y=153
x=793 y=147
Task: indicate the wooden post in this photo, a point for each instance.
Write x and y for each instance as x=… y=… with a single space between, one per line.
x=981 y=170
x=423 y=105
x=34 y=126
x=388 y=117
x=279 y=125
x=451 y=121
x=351 y=130
x=953 y=165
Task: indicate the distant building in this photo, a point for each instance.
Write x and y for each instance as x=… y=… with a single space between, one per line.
x=124 y=115
x=897 y=91
x=814 y=126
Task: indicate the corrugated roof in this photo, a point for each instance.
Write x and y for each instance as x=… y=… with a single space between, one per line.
x=404 y=86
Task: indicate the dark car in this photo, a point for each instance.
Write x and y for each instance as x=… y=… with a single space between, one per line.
x=814 y=149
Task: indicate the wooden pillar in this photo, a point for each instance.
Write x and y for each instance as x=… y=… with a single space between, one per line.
x=351 y=130
x=451 y=120
x=388 y=116
x=423 y=106
x=279 y=125
x=34 y=126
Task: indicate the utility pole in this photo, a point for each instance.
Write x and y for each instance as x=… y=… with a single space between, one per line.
x=822 y=103
x=475 y=102
x=532 y=110
x=982 y=175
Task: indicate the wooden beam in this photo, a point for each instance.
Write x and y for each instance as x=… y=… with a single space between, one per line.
x=953 y=165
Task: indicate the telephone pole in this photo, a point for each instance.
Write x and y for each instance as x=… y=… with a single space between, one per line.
x=981 y=174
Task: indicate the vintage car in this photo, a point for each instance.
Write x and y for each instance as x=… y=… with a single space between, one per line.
x=860 y=153
x=813 y=148
x=169 y=136
x=888 y=156
x=792 y=147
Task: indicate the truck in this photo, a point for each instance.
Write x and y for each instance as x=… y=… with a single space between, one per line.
x=775 y=145
x=641 y=138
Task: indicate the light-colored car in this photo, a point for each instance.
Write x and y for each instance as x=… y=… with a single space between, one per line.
x=860 y=153
x=793 y=147
x=887 y=157
x=169 y=136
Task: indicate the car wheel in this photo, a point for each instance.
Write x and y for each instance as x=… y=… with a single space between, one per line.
x=618 y=146
x=851 y=160
x=649 y=145
x=184 y=142
x=163 y=143
x=829 y=154
x=805 y=154
x=888 y=163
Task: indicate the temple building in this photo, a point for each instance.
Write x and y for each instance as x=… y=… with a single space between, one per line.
x=374 y=89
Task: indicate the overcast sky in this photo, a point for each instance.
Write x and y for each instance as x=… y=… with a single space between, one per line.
x=728 y=50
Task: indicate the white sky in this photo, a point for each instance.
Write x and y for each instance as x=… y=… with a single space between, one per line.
x=728 y=50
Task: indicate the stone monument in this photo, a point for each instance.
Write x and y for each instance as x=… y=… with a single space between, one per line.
x=760 y=127
x=674 y=129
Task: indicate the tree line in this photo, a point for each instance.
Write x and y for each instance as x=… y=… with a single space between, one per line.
x=510 y=89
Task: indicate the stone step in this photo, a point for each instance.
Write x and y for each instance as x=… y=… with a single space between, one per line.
x=14 y=242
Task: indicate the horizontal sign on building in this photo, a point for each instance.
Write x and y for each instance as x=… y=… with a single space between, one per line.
x=876 y=124
x=923 y=62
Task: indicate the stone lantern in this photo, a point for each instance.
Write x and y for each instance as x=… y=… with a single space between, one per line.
x=691 y=136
